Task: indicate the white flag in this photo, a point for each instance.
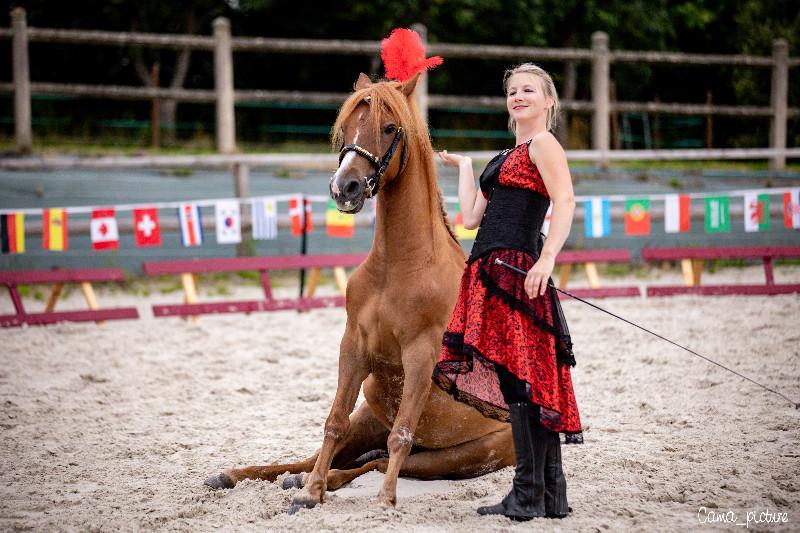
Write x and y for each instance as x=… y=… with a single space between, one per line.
x=229 y=223
x=265 y=219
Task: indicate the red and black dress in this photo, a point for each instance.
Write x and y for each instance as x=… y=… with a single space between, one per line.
x=496 y=330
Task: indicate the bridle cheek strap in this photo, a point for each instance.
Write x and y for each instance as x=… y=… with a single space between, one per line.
x=374 y=181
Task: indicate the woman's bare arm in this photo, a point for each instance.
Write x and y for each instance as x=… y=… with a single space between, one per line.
x=552 y=163
x=472 y=202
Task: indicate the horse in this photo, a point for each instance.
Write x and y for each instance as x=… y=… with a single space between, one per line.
x=398 y=304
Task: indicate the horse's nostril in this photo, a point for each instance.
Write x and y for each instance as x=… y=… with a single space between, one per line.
x=351 y=188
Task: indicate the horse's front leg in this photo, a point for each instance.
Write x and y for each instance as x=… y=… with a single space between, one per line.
x=353 y=370
x=418 y=361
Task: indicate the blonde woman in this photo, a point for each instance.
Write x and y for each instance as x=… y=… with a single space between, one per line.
x=507 y=350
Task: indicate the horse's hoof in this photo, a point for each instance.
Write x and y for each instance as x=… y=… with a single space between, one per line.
x=295 y=481
x=220 y=481
x=297 y=506
x=386 y=502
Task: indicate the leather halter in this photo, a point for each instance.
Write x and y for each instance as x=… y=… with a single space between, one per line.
x=374 y=181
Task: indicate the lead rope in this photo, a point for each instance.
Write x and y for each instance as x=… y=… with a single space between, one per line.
x=520 y=271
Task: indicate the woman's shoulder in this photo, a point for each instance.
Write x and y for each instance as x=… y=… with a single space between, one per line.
x=544 y=145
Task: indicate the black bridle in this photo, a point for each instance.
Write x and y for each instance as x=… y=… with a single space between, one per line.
x=374 y=181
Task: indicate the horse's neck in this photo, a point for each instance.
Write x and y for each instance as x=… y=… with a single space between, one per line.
x=409 y=224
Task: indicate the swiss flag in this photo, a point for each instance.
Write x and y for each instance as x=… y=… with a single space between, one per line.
x=105 y=235
x=146 y=227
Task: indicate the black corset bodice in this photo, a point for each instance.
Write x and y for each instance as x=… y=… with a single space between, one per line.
x=513 y=219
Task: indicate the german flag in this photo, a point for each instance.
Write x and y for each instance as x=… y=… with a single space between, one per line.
x=12 y=233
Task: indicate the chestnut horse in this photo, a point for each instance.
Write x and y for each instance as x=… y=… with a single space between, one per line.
x=398 y=305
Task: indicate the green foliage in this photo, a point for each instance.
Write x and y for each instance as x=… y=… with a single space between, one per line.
x=703 y=26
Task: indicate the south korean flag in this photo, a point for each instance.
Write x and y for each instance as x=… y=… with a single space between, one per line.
x=229 y=223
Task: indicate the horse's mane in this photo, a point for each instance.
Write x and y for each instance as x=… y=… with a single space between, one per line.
x=386 y=99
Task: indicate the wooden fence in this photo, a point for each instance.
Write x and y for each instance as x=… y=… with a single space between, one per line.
x=223 y=45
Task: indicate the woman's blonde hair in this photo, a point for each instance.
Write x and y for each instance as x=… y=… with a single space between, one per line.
x=549 y=90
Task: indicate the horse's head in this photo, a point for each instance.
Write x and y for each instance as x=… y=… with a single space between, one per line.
x=372 y=133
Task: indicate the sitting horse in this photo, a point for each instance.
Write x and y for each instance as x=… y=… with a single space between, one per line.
x=398 y=304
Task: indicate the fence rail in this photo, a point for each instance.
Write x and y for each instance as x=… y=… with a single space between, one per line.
x=222 y=44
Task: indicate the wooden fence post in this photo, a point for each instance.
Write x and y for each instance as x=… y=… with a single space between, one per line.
x=241 y=185
x=22 y=81
x=422 y=84
x=778 y=101
x=155 y=111
x=223 y=83
x=600 y=98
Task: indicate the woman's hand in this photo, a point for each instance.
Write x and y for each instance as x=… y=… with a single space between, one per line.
x=536 y=280
x=454 y=160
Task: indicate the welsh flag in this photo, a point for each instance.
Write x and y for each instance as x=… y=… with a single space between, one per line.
x=637 y=218
x=756 y=212
x=717 y=218
x=103 y=228
x=462 y=233
x=339 y=224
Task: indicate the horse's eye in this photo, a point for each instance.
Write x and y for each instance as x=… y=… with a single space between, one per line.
x=389 y=129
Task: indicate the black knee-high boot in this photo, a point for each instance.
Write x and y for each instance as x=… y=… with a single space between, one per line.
x=555 y=485
x=526 y=499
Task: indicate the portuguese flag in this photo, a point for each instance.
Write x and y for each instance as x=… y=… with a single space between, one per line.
x=637 y=217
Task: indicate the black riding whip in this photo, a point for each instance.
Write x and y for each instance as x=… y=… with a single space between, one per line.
x=520 y=271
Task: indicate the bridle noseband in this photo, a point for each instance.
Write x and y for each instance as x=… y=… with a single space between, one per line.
x=374 y=181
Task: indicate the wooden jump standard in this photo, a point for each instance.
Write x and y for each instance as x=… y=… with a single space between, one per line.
x=692 y=265
x=58 y=278
x=589 y=258
x=188 y=269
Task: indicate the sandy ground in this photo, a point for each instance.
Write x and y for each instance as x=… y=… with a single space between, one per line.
x=115 y=427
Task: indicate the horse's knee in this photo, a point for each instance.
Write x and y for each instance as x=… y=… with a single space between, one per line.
x=400 y=441
x=336 y=427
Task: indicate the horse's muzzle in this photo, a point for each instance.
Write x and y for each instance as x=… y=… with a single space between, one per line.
x=349 y=197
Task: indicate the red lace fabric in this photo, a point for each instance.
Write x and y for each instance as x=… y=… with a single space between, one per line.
x=519 y=171
x=494 y=322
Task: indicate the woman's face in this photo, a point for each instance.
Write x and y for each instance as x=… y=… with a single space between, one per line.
x=525 y=97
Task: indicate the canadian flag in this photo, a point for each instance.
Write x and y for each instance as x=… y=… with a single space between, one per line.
x=791 y=209
x=105 y=235
x=146 y=227
x=297 y=214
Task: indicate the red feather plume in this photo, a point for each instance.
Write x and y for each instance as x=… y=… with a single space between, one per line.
x=404 y=55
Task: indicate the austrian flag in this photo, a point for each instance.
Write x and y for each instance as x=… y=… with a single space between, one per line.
x=146 y=227
x=105 y=235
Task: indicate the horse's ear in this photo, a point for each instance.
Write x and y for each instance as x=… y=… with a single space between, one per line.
x=362 y=82
x=409 y=86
